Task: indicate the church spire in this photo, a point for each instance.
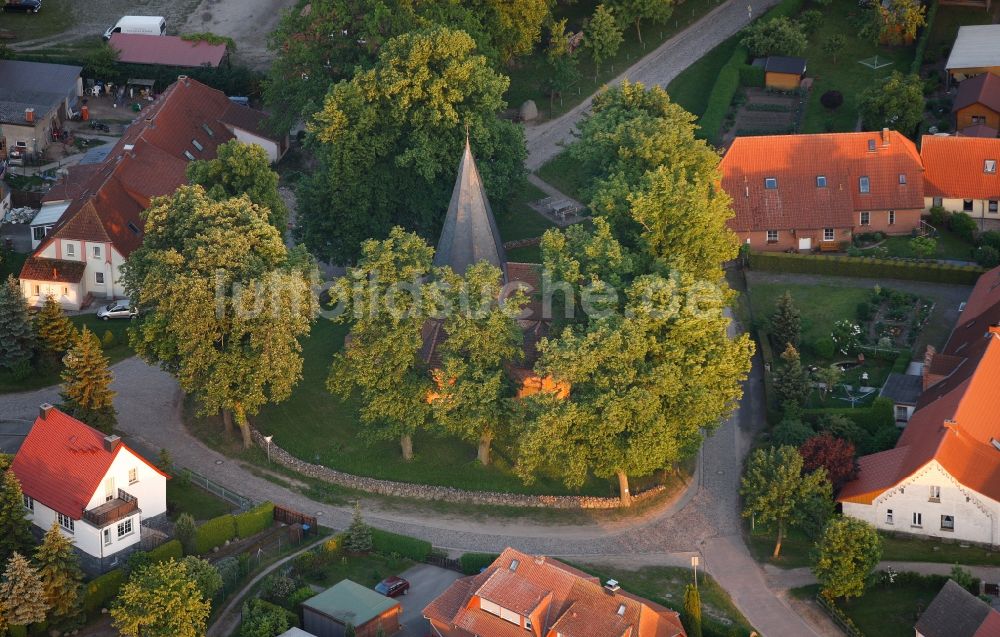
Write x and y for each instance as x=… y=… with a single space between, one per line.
x=470 y=232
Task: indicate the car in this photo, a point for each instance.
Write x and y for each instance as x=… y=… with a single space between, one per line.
x=117 y=309
x=30 y=6
x=392 y=586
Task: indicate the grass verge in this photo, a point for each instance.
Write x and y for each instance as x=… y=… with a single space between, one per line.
x=184 y=497
x=691 y=88
x=56 y=16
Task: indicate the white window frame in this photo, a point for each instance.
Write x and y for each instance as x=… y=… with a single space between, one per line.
x=935 y=493
x=28 y=502
x=888 y=516
x=892 y=217
x=99 y=278
x=902 y=413
x=828 y=234
x=768 y=181
x=770 y=233
x=96 y=252
x=993 y=206
x=125 y=528
x=865 y=218
x=106 y=533
x=938 y=201
x=133 y=475
x=902 y=179
x=917 y=520
x=950 y=518
x=821 y=181
x=968 y=205
x=989 y=166
x=70 y=250
x=66 y=522
x=864 y=184
x=38 y=233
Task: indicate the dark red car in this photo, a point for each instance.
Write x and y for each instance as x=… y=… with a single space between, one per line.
x=392 y=586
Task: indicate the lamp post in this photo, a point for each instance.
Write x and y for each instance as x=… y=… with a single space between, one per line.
x=267 y=439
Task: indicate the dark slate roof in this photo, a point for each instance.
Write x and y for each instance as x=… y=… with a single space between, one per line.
x=777 y=64
x=955 y=612
x=470 y=232
x=903 y=388
x=983 y=89
x=34 y=85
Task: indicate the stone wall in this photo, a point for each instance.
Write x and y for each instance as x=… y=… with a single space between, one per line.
x=522 y=243
x=446 y=494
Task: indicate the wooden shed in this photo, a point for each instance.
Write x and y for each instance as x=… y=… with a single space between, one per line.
x=347 y=602
x=784 y=73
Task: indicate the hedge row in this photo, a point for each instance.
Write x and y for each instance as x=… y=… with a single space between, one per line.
x=213 y=533
x=867 y=267
x=386 y=542
x=166 y=551
x=472 y=563
x=101 y=590
x=255 y=520
x=785 y=9
x=871 y=419
x=925 y=36
x=726 y=85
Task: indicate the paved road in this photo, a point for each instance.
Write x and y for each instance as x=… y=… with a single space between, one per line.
x=546 y=140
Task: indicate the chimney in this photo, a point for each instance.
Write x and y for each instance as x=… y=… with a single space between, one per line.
x=885 y=137
x=184 y=79
x=951 y=425
x=29 y=115
x=111 y=442
x=43 y=410
x=611 y=586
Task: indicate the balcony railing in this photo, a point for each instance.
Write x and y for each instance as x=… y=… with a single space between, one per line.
x=113 y=510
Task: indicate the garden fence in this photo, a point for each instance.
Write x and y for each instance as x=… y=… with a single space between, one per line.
x=839 y=617
x=444 y=562
x=237 y=500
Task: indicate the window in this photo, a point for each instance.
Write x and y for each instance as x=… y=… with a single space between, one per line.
x=827 y=234
x=993 y=206
x=938 y=201
x=902 y=178
x=871 y=145
x=70 y=250
x=978 y=119
x=99 y=278
x=107 y=537
x=125 y=528
x=189 y=156
x=821 y=181
x=901 y=413
x=966 y=205
x=864 y=184
x=109 y=489
x=892 y=217
x=866 y=218
x=947 y=523
x=772 y=236
x=38 y=291
x=197 y=144
x=65 y=522
x=935 y=494
x=888 y=516
x=771 y=183
x=29 y=502
x=918 y=520
x=38 y=233
x=134 y=228
x=527 y=623
x=208 y=130
x=990 y=166
x=514 y=564
x=133 y=475
x=21 y=143
x=97 y=252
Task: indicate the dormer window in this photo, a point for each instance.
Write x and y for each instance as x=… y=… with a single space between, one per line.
x=771 y=183
x=821 y=181
x=902 y=178
x=197 y=145
x=871 y=145
x=864 y=184
x=990 y=166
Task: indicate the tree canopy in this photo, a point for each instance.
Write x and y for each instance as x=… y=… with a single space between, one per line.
x=836 y=455
x=635 y=11
x=18 y=342
x=786 y=322
x=896 y=102
x=22 y=595
x=849 y=551
x=603 y=35
x=55 y=332
x=775 y=36
x=61 y=577
x=15 y=529
x=86 y=388
x=161 y=600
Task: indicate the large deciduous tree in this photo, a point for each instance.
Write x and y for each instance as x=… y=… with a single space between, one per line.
x=18 y=342
x=225 y=302
x=635 y=11
x=775 y=489
x=900 y=20
x=388 y=141
x=848 y=553
x=86 y=388
x=381 y=360
x=776 y=36
x=836 y=455
x=15 y=529
x=241 y=169
x=603 y=36
x=21 y=593
x=161 y=600
x=61 y=578
x=897 y=102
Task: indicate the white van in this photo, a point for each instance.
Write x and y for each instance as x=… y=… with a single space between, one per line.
x=144 y=24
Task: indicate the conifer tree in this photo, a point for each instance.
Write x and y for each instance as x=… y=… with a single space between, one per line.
x=692 y=611
x=21 y=593
x=359 y=534
x=15 y=529
x=61 y=577
x=86 y=388
x=791 y=380
x=54 y=331
x=786 y=324
x=15 y=324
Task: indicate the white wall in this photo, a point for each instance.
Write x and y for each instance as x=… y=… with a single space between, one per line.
x=150 y=488
x=273 y=152
x=86 y=537
x=975 y=515
x=68 y=294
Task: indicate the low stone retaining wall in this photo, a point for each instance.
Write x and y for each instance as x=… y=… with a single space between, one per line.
x=522 y=243
x=446 y=494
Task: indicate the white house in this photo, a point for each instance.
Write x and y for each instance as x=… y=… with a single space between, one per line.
x=99 y=490
x=942 y=479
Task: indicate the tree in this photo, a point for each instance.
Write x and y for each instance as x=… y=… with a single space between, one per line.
x=603 y=36
x=692 y=610
x=473 y=388
x=828 y=377
x=848 y=553
x=263 y=619
x=775 y=490
x=634 y=11
x=205 y=576
x=833 y=45
x=900 y=21
x=55 y=332
x=786 y=322
x=836 y=455
x=561 y=61
x=21 y=593
x=349 y=630
x=963 y=577
x=61 y=578
x=513 y=26
x=791 y=431
x=791 y=381
x=86 y=387
x=359 y=534
x=777 y=36
x=381 y=362
x=923 y=247
x=199 y=253
x=18 y=342
x=161 y=600
x=15 y=529
x=185 y=531
x=241 y=169
x=896 y=102
x=389 y=139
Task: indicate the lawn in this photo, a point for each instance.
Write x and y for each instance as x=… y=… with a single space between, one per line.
x=889 y=611
x=845 y=74
x=367 y=570
x=567 y=175
x=949 y=246
x=946 y=25
x=56 y=16
x=184 y=497
x=796 y=548
x=528 y=76
x=692 y=87
x=518 y=220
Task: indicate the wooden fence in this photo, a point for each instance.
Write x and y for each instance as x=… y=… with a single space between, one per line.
x=288 y=516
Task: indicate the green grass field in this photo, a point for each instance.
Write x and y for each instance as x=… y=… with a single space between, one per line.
x=949 y=246
x=518 y=220
x=55 y=16
x=889 y=611
x=567 y=175
x=187 y=498
x=691 y=88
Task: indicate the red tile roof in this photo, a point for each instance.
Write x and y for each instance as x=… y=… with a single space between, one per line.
x=169 y=50
x=982 y=89
x=56 y=270
x=62 y=462
x=797 y=160
x=955 y=167
x=572 y=603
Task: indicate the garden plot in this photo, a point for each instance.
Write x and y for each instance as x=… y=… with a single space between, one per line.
x=766 y=113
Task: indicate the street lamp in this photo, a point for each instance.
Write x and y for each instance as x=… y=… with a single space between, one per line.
x=267 y=439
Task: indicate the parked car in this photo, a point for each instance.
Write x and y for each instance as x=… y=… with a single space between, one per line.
x=392 y=586
x=117 y=309
x=30 y=6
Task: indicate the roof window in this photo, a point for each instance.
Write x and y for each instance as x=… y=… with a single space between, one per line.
x=864 y=185
x=821 y=181
x=208 y=130
x=990 y=166
x=514 y=564
x=995 y=443
x=134 y=228
x=188 y=154
x=621 y=610
x=771 y=183
x=902 y=178
x=197 y=145
x=871 y=145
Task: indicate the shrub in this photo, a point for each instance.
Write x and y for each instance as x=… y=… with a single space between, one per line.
x=987 y=256
x=810 y=20
x=990 y=238
x=386 y=543
x=213 y=533
x=864 y=267
x=185 y=531
x=255 y=520
x=824 y=348
x=101 y=590
x=298 y=596
x=751 y=75
x=264 y=619
x=864 y=311
x=939 y=217
x=137 y=561
x=168 y=550
x=277 y=587
x=108 y=340
x=921 y=53
x=472 y=563
x=963 y=225
x=832 y=99
x=359 y=535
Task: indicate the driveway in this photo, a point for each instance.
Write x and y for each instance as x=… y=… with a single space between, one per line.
x=426 y=583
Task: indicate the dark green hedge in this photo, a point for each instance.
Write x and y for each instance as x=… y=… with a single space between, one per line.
x=166 y=551
x=866 y=267
x=101 y=590
x=785 y=8
x=751 y=75
x=472 y=563
x=213 y=533
x=871 y=419
x=386 y=542
x=925 y=35
x=255 y=520
x=721 y=96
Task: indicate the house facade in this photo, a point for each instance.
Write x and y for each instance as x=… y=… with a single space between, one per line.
x=940 y=480
x=961 y=175
x=815 y=192
x=977 y=105
x=35 y=98
x=99 y=491
x=542 y=597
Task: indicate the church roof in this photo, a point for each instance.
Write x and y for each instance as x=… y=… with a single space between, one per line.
x=470 y=232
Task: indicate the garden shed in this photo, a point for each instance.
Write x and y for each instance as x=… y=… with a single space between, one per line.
x=784 y=73
x=347 y=602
